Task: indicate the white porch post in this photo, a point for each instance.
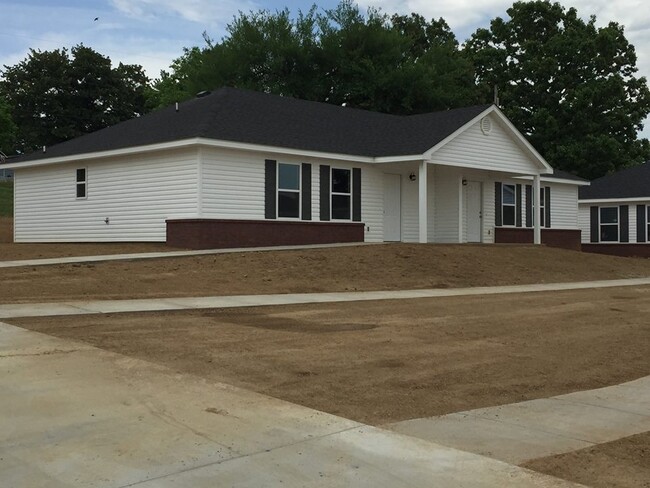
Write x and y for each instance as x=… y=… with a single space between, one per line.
x=460 y=210
x=536 y=212
x=422 y=201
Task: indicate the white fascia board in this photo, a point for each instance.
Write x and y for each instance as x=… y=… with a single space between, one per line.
x=614 y=200
x=474 y=168
x=105 y=154
x=186 y=143
x=545 y=167
x=399 y=159
x=563 y=181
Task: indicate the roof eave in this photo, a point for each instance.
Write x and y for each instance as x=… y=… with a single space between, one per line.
x=197 y=141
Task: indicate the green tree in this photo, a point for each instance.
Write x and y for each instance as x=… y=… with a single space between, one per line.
x=56 y=95
x=567 y=84
x=397 y=65
x=8 y=131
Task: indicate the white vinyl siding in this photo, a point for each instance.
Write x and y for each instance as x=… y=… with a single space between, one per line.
x=232 y=185
x=564 y=206
x=584 y=219
x=496 y=151
x=136 y=194
x=584 y=223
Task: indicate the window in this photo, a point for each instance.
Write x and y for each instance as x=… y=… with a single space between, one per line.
x=341 y=194
x=289 y=190
x=508 y=205
x=609 y=224
x=81 y=183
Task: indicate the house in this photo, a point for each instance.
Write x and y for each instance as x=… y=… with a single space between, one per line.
x=240 y=168
x=614 y=213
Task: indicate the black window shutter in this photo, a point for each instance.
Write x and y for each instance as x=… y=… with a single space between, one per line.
x=529 y=206
x=640 y=224
x=623 y=215
x=547 y=206
x=356 y=194
x=270 y=190
x=518 y=208
x=595 y=234
x=306 y=191
x=324 y=192
x=497 y=204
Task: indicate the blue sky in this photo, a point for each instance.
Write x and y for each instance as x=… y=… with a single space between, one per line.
x=153 y=32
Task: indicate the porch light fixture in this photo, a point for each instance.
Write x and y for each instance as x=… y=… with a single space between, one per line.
x=464 y=182
x=412 y=177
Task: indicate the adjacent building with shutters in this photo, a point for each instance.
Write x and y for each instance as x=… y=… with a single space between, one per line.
x=614 y=213
x=239 y=168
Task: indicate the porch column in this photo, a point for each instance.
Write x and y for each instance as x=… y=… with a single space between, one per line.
x=422 y=201
x=537 y=233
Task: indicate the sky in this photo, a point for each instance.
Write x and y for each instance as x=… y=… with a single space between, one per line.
x=153 y=32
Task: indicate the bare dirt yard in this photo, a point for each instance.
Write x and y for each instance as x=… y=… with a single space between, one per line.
x=372 y=267
x=624 y=463
x=386 y=361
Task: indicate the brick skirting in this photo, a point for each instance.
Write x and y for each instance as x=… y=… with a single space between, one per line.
x=221 y=233
x=563 y=238
x=626 y=250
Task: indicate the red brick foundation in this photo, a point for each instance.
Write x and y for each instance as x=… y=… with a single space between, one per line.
x=626 y=250
x=219 y=233
x=563 y=238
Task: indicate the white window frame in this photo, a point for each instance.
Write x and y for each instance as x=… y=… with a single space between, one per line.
x=617 y=224
x=78 y=183
x=288 y=190
x=513 y=205
x=647 y=223
x=332 y=193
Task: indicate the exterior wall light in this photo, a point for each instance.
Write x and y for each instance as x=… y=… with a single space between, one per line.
x=412 y=177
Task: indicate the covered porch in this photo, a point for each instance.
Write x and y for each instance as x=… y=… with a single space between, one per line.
x=430 y=202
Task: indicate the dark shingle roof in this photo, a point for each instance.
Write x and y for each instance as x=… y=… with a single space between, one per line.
x=250 y=117
x=564 y=175
x=628 y=183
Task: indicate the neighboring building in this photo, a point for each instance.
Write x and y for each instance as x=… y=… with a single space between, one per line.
x=240 y=168
x=6 y=174
x=614 y=213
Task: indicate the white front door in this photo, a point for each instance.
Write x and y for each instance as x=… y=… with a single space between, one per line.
x=474 y=210
x=392 y=208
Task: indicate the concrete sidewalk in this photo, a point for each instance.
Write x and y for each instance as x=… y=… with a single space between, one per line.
x=167 y=254
x=162 y=304
x=519 y=432
x=75 y=416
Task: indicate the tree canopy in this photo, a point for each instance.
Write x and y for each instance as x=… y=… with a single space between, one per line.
x=56 y=95
x=399 y=64
x=568 y=85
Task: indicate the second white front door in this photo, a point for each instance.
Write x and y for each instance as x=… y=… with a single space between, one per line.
x=474 y=210
x=392 y=208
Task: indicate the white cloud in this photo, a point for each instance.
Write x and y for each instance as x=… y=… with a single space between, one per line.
x=209 y=12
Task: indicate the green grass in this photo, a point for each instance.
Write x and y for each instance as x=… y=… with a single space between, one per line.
x=6 y=198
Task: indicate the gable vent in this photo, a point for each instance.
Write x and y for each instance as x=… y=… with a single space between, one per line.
x=486 y=125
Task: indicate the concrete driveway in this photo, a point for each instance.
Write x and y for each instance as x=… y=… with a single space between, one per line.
x=74 y=415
